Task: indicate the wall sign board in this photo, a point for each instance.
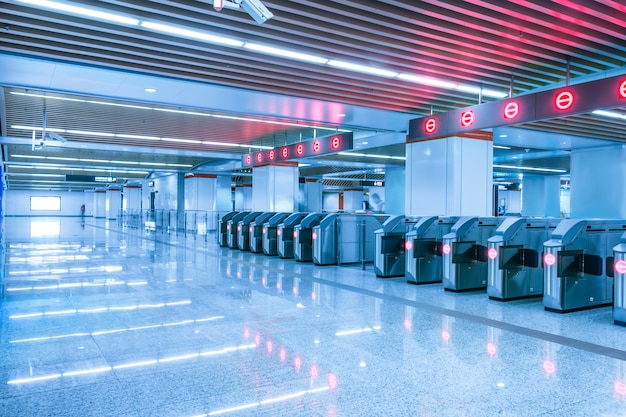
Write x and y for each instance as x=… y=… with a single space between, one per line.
x=320 y=146
x=563 y=101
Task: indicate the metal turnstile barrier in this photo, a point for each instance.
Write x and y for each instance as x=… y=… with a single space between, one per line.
x=514 y=251
x=270 y=235
x=389 y=246
x=256 y=232
x=578 y=264
x=284 y=234
x=243 y=235
x=464 y=253
x=222 y=229
x=345 y=238
x=619 y=270
x=302 y=237
x=424 y=262
x=231 y=227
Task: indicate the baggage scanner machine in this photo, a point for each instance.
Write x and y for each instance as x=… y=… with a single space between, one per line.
x=619 y=269
x=270 y=235
x=232 y=228
x=389 y=244
x=423 y=249
x=302 y=237
x=514 y=253
x=256 y=231
x=243 y=234
x=222 y=229
x=464 y=253
x=285 y=236
x=577 y=267
x=345 y=238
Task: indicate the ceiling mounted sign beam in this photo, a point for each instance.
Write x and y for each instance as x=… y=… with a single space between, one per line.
x=559 y=102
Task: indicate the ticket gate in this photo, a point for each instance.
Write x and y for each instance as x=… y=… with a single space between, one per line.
x=270 y=233
x=285 y=236
x=619 y=269
x=389 y=246
x=243 y=234
x=578 y=264
x=256 y=232
x=222 y=229
x=514 y=252
x=464 y=253
x=345 y=238
x=423 y=245
x=302 y=237
x=231 y=227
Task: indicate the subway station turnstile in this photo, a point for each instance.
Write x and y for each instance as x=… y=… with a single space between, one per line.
x=231 y=227
x=464 y=253
x=284 y=234
x=514 y=251
x=424 y=242
x=256 y=232
x=270 y=233
x=345 y=238
x=578 y=264
x=302 y=237
x=243 y=235
x=389 y=251
x=619 y=270
x=222 y=228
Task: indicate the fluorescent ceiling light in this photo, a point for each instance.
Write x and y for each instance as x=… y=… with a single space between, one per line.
x=203 y=36
x=137 y=137
x=609 y=114
x=180 y=140
x=285 y=53
x=83 y=11
x=529 y=168
x=501 y=147
x=89 y=133
x=479 y=90
x=370 y=155
x=362 y=68
x=426 y=81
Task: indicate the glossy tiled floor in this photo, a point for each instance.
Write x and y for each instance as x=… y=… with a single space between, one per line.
x=100 y=321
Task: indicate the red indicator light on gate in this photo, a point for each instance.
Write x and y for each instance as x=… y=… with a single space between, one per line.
x=285 y=152
x=278 y=232
x=622 y=89
x=248 y=159
x=264 y=230
x=259 y=157
x=564 y=100
x=430 y=125
x=314 y=236
x=549 y=259
x=250 y=229
x=445 y=249
x=492 y=253
x=228 y=227
x=511 y=110
x=467 y=118
x=408 y=245
x=620 y=267
x=238 y=228
x=335 y=142
x=271 y=155
x=295 y=233
x=300 y=149
x=317 y=146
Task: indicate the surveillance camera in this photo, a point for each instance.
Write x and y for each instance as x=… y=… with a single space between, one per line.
x=256 y=9
x=56 y=136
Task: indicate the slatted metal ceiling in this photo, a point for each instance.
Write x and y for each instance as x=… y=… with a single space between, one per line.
x=475 y=42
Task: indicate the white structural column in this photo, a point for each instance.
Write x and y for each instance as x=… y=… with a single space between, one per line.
x=352 y=199
x=275 y=188
x=450 y=176
x=541 y=195
x=132 y=197
x=113 y=201
x=395 y=183
x=99 y=203
x=223 y=194
x=200 y=199
x=311 y=199
x=597 y=182
x=243 y=197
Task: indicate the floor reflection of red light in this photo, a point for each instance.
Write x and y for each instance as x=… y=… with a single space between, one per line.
x=549 y=367
x=295 y=290
x=332 y=381
x=313 y=296
x=314 y=371
x=246 y=333
x=408 y=324
x=491 y=349
x=257 y=340
x=620 y=387
x=297 y=363
x=332 y=411
x=283 y=354
x=269 y=346
x=445 y=336
x=278 y=285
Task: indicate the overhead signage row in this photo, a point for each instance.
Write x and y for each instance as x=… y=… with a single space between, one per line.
x=321 y=146
x=565 y=101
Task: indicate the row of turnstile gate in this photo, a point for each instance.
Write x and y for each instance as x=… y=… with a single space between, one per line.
x=325 y=239
x=572 y=264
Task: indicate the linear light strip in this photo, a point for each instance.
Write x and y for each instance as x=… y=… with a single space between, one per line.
x=98 y=310
x=529 y=168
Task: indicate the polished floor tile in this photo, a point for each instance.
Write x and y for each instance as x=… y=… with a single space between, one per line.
x=99 y=320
